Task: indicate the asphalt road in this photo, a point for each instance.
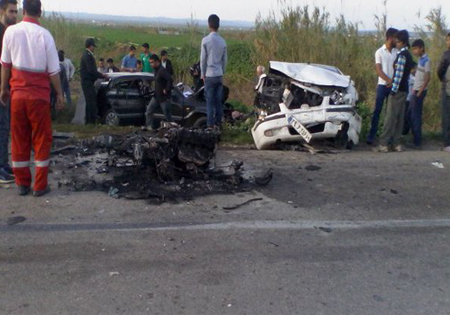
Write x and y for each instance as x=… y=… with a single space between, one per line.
x=349 y=233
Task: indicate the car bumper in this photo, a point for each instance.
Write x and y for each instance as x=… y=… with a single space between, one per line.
x=322 y=124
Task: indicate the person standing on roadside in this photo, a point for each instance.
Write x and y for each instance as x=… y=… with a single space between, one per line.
x=8 y=12
x=64 y=84
x=166 y=63
x=30 y=63
x=111 y=67
x=420 y=89
x=444 y=75
x=213 y=62
x=395 y=110
x=70 y=72
x=145 y=58
x=384 y=67
x=163 y=88
x=102 y=68
x=129 y=62
x=89 y=75
x=262 y=76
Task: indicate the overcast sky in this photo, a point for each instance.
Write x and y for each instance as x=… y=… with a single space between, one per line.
x=401 y=13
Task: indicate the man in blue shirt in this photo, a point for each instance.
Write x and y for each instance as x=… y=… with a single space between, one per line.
x=213 y=61
x=129 y=62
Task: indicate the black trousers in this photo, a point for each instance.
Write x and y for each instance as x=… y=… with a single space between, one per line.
x=90 y=95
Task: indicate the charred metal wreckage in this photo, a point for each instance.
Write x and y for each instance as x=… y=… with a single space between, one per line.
x=302 y=102
x=171 y=163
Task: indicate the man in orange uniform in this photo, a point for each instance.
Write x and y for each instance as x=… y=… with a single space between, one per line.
x=29 y=62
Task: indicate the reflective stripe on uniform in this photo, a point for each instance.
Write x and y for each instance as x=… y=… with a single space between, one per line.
x=45 y=163
x=20 y=164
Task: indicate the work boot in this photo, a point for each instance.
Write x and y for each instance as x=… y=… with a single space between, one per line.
x=42 y=192
x=5 y=177
x=383 y=149
x=24 y=190
x=398 y=148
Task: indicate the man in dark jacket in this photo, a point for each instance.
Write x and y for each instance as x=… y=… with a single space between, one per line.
x=163 y=87
x=444 y=76
x=166 y=63
x=89 y=74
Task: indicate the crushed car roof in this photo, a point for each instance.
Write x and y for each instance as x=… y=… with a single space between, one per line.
x=312 y=74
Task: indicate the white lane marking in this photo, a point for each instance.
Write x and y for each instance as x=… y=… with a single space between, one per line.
x=251 y=225
x=306 y=225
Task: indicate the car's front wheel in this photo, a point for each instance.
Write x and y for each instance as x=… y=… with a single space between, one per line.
x=201 y=123
x=111 y=118
x=342 y=141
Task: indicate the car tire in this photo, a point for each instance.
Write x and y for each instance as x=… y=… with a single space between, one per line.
x=341 y=141
x=201 y=123
x=111 y=118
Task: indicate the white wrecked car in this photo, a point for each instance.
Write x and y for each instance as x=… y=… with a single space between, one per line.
x=302 y=102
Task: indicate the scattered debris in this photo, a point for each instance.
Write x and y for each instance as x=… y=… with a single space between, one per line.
x=438 y=165
x=393 y=191
x=378 y=298
x=159 y=166
x=15 y=220
x=313 y=168
x=113 y=192
x=242 y=204
x=64 y=149
x=114 y=273
x=63 y=135
x=264 y=180
x=325 y=229
x=274 y=244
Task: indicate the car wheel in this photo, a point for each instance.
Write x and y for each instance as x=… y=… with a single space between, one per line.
x=111 y=118
x=341 y=141
x=201 y=123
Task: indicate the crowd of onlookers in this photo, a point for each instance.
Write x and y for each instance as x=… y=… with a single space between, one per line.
x=403 y=86
x=130 y=63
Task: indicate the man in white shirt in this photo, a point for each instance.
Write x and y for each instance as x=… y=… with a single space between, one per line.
x=261 y=73
x=29 y=64
x=70 y=72
x=384 y=66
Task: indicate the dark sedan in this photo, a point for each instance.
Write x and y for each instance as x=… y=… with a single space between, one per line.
x=125 y=96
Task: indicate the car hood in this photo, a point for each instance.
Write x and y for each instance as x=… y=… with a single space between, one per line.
x=312 y=74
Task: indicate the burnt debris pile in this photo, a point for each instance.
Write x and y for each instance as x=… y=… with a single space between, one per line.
x=171 y=163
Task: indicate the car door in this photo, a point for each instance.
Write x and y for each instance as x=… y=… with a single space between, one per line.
x=178 y=101
x=136 y=102
x=117 y=95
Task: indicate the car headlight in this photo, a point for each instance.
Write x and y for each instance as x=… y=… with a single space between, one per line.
x=337 y=98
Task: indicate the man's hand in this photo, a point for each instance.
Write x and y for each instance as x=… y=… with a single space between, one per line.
x=419 y=93
x=203 y=78
x=165 y=92
x=4 y=97
x=59 y=101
